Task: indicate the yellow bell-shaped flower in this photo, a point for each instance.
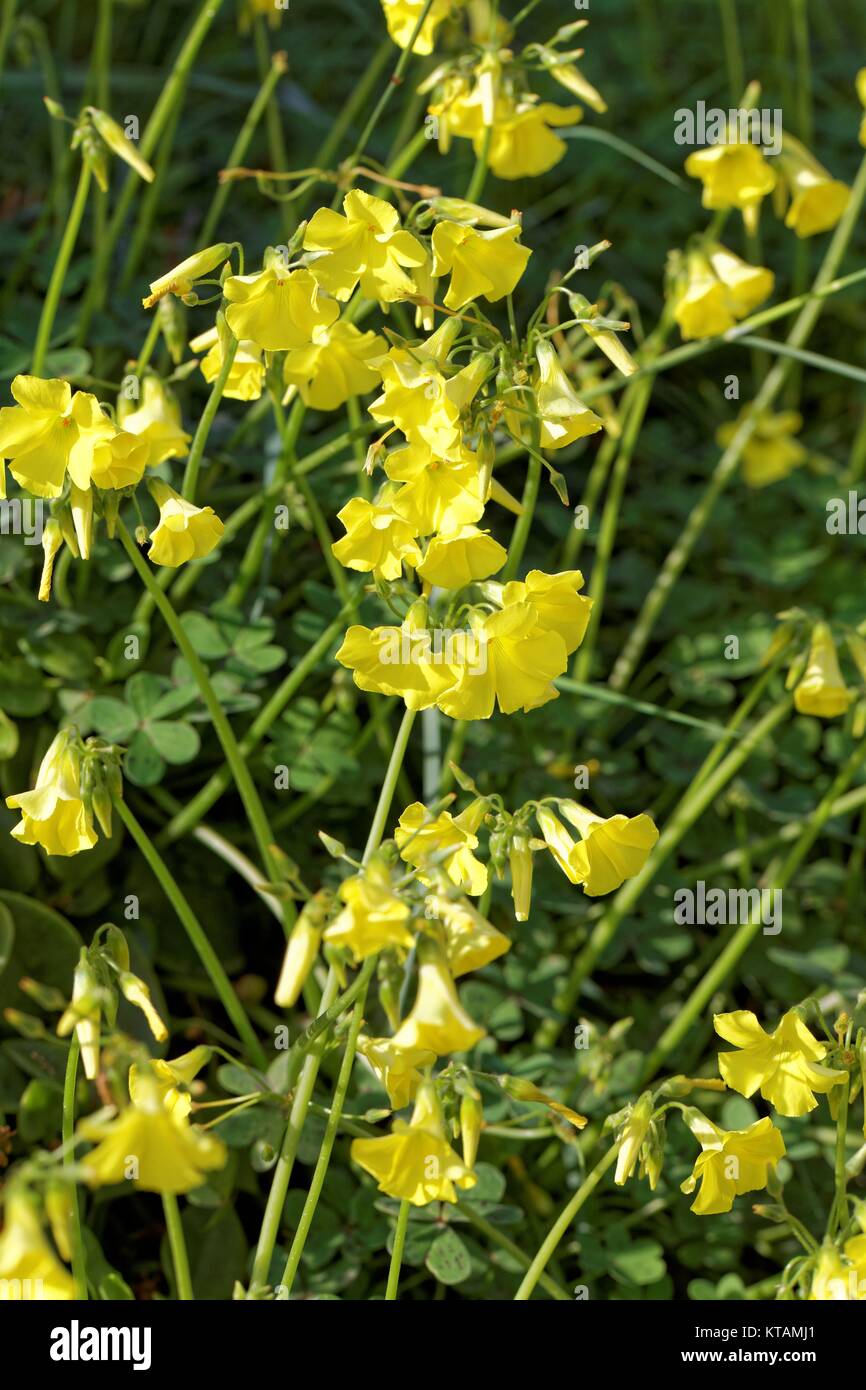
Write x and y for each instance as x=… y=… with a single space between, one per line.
x=377 y=539
x=717 y=291
x=150 y=1145
x=522 y=143
x=520 y=662
x=451 y=839
x=51 y=431
x=456 y=558
x=562 y=414
x=415 y=1163
x=184 y=532
x=840 y=1276
x=29 y=1268
x=771 y=453
x=173 y=1080
x=487 y=263
x=437 y=1020
x=436 y=495
x=611 y=849
x=402 y=18
x=396 y=1068
x=559 y=607
x=731 y=1162
x=340 y=362
x=821 y=690
x=470 y=940
x=860 y=82
x=817 y=199
x=155 y=419
x=53 y=814
x=397 y=661
x=733 y=175
x=277 y=308
x=374 y=917
x=246 y=374
x=302 y=948
x=364 y=245
x=785 y=1065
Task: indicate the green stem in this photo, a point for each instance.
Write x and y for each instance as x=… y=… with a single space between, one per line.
x=193 y=463
x=742 y=938
x=237 y=763
x=397 y=1252
x=79 y=1260
x=496 y=1236
x=187 y=819
x=196 y=933
x=839 y=1211
x=330 y=1135
x=386 y=795
x=179 y=1257
x=7 y=18
x=58 y=274
x=523 y=525
x=160 y=116
x=394 y=82
x=278 y=67
x=729 y=462
x=562 y=1223
x=479 y=173
x=733 y=49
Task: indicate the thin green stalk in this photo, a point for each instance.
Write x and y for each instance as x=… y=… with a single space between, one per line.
x=479 y=173
x=397 y=1252
x=58 y=274
x=213 y=789
x=251 y=565
x=203 y=429
x=496 y=1236
x=171 y=92
x=523 y=524
x=839 y=1210
x=151 y=203
x=733 y=49
x=729 y=462
x=79 y=1259
x=276 y=140
x=278 y=68
x=742 y=938
x=386 y=795
x=609 y=522
x=562 y=1223
x=177 y=1241
x=394 y=82
x=690 y=807
x=7 y=19
x=239 y=770
x=196 y=933
x=329 y=1138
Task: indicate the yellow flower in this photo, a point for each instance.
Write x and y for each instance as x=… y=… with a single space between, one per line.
x=120 y=461
x=365 y=245
x=137 y=992
x=470 y=940
x=302 y=949
x=631 y=1138
x=181 y=278
x=520 y=1089
x=522 y=144
x=731 y=1162
x=277 y=308
x=519 y=660
x=436 y=495
x=29 y=1268
x=377 y=539
x=480 y=263
x=184 y=532
x=733 y=176
x=246 y=374
x=437 y=1020
x=718 y=290
x=450 y=839
x=156 y=420
x=83 y=1014
x=340 y=362
x=402 y=16
x=53 y=814
x=840 y=1279
x=150 y=1145
x=562 y=414
x=460 y=557
x=557 y=603
x=771 y=453
x=860 y=82
x=785 y=1065
x=373 y=918
x=49 y=432
x=520 y=864
x=610 y=850
x=396 y=1068
x=415 y=1163
x=821 y=689
x=817 y=199
x=424 y=403
x=172 y=1080
x=396 y=661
